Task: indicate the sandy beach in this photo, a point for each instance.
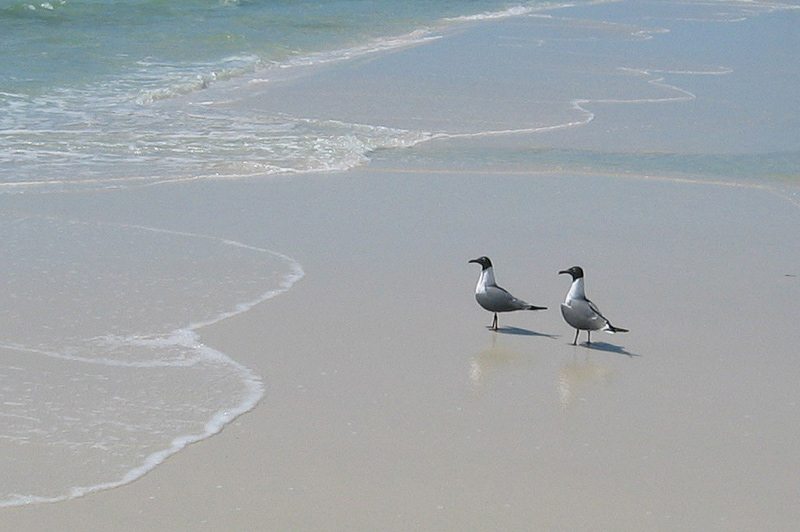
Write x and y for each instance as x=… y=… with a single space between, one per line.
x=390 y=406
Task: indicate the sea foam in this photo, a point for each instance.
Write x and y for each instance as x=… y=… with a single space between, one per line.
x=103 y=373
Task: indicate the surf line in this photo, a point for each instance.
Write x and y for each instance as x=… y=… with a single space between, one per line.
x=185 y=337
x=581 y=104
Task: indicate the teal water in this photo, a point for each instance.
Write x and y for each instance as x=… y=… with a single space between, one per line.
x=92 y=92
x=82 y=81
x=74 y=43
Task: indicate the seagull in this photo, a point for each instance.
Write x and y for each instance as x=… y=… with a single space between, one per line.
x=581 y=313
x=492 y=297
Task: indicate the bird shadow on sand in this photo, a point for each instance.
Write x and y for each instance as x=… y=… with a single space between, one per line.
x=609 y=348
x=525 y=332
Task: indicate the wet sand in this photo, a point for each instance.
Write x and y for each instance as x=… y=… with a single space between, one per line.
x=390 y=405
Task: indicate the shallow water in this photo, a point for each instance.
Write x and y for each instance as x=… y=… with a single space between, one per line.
x=103 y=374
x=83 y=82
x=136 y=104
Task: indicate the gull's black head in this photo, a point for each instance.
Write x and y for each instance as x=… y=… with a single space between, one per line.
x=483 y=261
x=576 y=272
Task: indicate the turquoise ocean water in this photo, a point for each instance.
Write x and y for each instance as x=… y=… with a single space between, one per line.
x=82 y=82
x=91 y=90
x=96 y=390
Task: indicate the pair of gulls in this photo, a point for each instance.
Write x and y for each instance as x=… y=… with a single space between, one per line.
x=577 y=310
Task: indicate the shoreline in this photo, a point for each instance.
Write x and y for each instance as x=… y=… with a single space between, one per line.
x=389 y=406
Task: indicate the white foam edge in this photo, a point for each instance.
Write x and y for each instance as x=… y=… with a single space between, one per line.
x=418 y=36
x=198 y=77
x=412 y=38
x=184 y=336
x=213 y=426
x=398 y=138
x=581 y=104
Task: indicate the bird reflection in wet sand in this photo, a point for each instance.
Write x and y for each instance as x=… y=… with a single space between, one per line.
x=576 y=376
x=487 y=362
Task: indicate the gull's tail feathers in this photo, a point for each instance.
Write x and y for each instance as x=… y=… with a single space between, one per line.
x=534 y=307
x=610 y=329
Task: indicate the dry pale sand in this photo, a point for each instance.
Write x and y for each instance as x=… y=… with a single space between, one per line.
x=390 y=406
